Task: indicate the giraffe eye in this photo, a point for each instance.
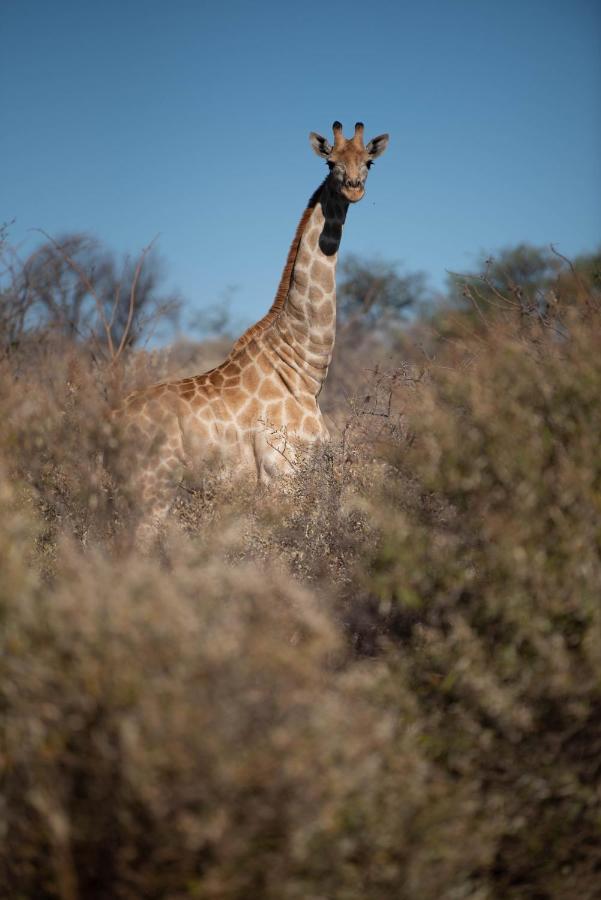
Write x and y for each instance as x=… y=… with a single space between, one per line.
x=369 y=163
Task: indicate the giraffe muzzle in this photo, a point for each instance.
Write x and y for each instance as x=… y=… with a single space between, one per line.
x=353 y=190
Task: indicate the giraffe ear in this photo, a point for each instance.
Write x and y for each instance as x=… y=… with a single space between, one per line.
x=320 y=145
x=377 y=146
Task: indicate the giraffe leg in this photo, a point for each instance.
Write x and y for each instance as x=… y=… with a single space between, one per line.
x=274 y=455
x=158 y=488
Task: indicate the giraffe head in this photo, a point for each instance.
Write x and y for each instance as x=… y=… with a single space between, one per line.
x=349 y=160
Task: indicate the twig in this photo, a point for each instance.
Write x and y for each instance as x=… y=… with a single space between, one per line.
x=132 y=298
x=569 y=262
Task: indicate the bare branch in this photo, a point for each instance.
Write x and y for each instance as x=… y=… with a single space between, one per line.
x=132 y=298
x=572 y=268
x=88 y=284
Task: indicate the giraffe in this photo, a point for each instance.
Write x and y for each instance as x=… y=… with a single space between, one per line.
x=258 y=407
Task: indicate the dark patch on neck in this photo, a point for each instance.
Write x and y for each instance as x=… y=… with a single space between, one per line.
x=329 y=239
x=334 y=207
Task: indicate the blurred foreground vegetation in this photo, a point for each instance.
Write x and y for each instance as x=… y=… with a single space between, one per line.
x=381 y=681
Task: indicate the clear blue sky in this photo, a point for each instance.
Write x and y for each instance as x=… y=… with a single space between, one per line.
x=191 y=119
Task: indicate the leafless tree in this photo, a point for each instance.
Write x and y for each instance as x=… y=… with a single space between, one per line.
x=74 y=287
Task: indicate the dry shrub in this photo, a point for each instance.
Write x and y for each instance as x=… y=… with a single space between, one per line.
x=196 y=733
x=382 y=680
x=55 y=432
x=504 y=589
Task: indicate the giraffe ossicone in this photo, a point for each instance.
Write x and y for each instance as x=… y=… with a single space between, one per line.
x=256 y=408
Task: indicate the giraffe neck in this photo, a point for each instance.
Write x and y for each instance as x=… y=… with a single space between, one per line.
x=302 y=334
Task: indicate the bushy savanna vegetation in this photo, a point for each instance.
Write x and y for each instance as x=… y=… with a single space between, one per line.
x=381 y=680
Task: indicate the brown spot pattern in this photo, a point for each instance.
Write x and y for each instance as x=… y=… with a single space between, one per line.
x=323 y=275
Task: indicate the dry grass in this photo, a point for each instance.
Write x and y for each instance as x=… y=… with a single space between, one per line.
x=382 y=681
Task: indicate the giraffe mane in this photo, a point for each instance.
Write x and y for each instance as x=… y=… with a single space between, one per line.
x=285 y=280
